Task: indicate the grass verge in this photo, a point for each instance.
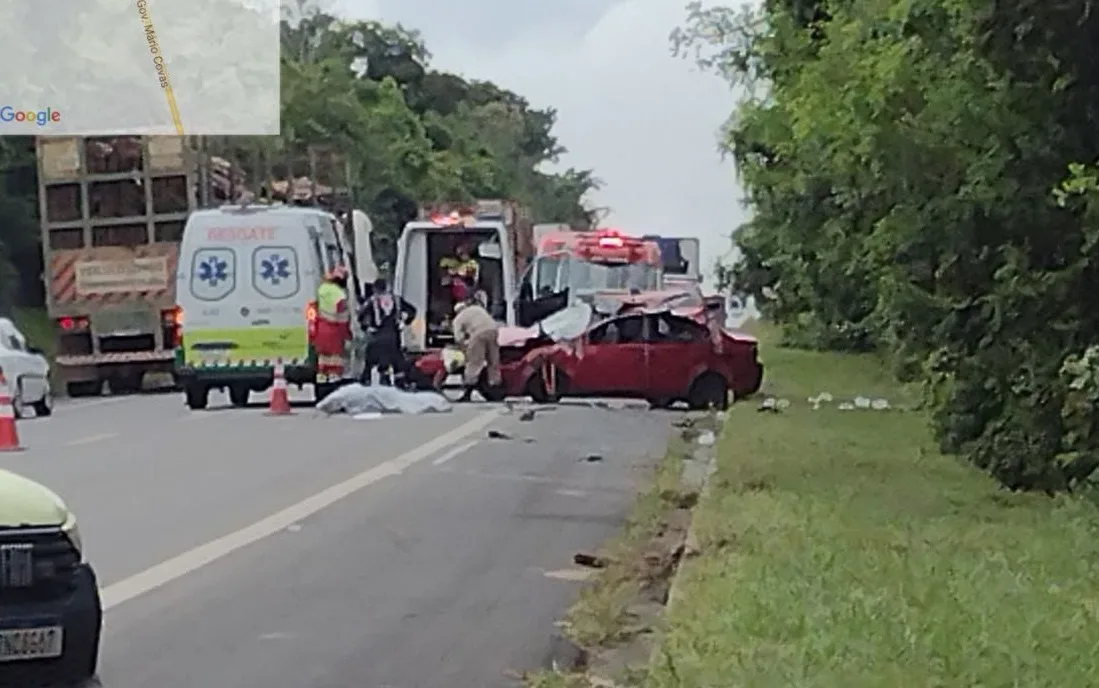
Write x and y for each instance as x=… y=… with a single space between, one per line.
x=617 y=608
x=603 y=615
x=840 y=549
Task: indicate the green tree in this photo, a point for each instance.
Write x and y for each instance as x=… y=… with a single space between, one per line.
x=900 y=160
x=410 y=134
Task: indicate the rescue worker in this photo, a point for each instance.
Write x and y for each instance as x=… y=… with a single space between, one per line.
x=459 y=274
x=383 y=316
x=333 y=328
x=476 y=331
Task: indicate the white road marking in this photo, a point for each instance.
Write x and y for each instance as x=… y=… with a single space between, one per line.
x=190 y=561
x=573 y=575
x=457 y=451
x=90 y=439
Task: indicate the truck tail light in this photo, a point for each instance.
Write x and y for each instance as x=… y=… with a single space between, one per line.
x=172 y=321
x=72 y=325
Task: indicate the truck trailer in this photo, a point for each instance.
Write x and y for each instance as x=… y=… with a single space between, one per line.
x=112 y=213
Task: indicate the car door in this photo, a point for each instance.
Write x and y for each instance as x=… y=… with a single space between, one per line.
x=612 y=359
x=677 y=350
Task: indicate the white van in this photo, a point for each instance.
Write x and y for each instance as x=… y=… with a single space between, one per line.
x=421 y=247
x=246 y=290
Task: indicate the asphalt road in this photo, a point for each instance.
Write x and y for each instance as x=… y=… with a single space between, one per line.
x=238 y=550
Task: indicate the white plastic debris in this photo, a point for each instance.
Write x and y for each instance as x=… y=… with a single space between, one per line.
x=862 y=403
x=880 y=405
x=846 y=406
x=825 y=397
x=707 y=439
x=721 y=416
x=782 y=404
x=356 y=399
x=768 y=403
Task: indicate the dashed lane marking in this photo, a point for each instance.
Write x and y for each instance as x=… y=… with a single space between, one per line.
x=192 y=560
x=455 y=452
x=92 y=439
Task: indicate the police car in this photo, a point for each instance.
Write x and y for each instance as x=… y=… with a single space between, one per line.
x=51 y=616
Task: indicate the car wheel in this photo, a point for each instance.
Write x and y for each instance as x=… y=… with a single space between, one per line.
x=547 y=384
x=197 y=396
x=44 y=406
x=238 y=395
x=322 y=390
x=87 y=388
x=490 y=393
x=709 y=391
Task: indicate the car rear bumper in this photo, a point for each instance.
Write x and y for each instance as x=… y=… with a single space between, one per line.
x=258 y=376
x=80 y=613
x=752 y=381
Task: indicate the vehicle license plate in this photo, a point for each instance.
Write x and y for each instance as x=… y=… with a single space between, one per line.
x=122 y=323
x=31 y=643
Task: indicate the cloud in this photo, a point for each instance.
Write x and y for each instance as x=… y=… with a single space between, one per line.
x=645 y=121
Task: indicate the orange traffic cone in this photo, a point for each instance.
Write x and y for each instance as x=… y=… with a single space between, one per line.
x=9 y=437
x=280 y=397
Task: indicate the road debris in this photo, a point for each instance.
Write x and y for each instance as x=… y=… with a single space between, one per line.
x=707 y=439
x=497 y=435
x=592 y=458
x=773 y=405
x=527 y=416
x=590 y=560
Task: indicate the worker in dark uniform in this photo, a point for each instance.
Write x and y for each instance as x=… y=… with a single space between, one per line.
x=383 y=316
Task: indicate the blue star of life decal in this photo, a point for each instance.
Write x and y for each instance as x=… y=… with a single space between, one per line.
x=213 y=271
x=275 y=268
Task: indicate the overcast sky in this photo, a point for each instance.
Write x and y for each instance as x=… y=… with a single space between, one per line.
x=644 y=121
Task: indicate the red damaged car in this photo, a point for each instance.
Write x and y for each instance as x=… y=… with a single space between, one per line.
x=655 y=355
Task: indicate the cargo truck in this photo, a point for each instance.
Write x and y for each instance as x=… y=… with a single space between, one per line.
x=112 y=213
